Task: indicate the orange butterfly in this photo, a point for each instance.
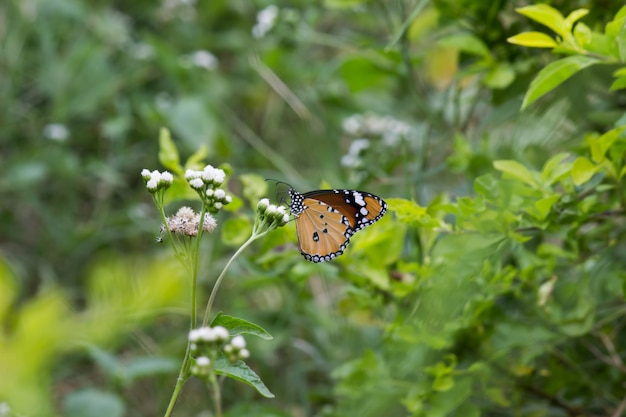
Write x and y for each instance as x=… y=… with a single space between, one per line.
x=326 y=219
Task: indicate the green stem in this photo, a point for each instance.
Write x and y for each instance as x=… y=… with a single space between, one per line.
x=209 y=305
x=217 y=394
x=182 y=377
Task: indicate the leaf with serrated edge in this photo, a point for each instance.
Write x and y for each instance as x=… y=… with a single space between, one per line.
x=241 y=372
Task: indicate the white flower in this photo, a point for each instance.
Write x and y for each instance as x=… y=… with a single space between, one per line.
x=220 y=176
x=244 y=354
x=281 y=210
x=152 y=184
x=220 y=194
x=191 y=174
x=285 y=219
x=358 y=145
x=265 y=20
x=206 y=334
x=56 y=131
x=203 y=361
x=264 y=203
x=238 y=342
x=146 y=174
x=209 y=223
x=155 y=175
x=196 y=183
x=167 y=178
x=221 y=333
x=194 y=335
x=204 y=59
x=228 y=199
x=218 y=205
x=4 y=409
x=352 y=125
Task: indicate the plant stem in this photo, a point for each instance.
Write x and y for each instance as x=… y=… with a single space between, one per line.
x=182 y=377
x=209 y=305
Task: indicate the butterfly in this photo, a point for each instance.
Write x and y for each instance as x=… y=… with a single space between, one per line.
x=327 y=219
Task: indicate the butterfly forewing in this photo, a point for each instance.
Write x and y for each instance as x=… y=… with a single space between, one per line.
x=325 y=219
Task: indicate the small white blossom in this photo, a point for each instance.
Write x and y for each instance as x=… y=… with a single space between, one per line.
x=228 y=199
x=167 y=178
x=152 y=184
x=352 y=125
x=265 y=20
x=191 y=174
x=206 y=334
x=218 y=205
x=221 y=333
x=209 y=223
x=264 y=202
x=204 y=59
x=203 y=361
x=238 y=342
x=285 y=219
x=220 y=176
x=244 y=354
x=56 y=131
x=220 y=194
x=196 y=183
x=358 y=145
x=146 y=174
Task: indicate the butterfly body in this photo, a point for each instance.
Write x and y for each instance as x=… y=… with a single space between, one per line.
x=327 y=219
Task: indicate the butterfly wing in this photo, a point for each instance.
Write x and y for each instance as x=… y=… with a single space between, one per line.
x=326 y=219
x=323 y=232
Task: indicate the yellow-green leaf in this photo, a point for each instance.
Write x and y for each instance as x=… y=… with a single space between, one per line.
x=582 y=170
x=168 y=153
x=575 y=16
x=533 y=40
x=547 y=16
x=516 y=170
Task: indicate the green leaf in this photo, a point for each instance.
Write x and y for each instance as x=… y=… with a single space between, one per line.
x=254 y=187
x=467 y=43
x=582 y=170
x=237 y=326
x=499 y=76
x=91 y=402
x=573 y=17
x=555 y=74
x=241 y=372
x=618 y=84
x=196 y=161
x=533 y=40
x=516 y=170
x=168 y=153
x=544 y=206
x=554 y=169
x=407 y=211
x=547 y=16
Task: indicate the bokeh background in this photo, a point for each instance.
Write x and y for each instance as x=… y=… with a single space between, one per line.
x=383 y=95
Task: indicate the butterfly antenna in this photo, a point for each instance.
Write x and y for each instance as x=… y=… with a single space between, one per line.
x=279 y=182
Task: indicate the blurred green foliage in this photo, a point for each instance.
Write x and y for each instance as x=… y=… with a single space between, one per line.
x=495 y=285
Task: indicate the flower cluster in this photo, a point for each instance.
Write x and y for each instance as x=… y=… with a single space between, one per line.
x=209 y=342
x=186 y=222
x=271 y=215
x=156 y=180
x=206 y=183
x=389 y=128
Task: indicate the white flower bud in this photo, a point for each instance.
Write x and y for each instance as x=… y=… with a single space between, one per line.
x=221 y=333
x=238 y=342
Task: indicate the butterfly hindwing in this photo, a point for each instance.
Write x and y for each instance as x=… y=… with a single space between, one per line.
x=326 y=219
